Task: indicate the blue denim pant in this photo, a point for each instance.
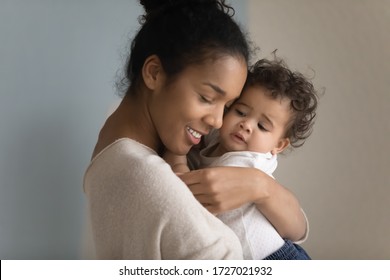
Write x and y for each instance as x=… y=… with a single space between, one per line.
x=289 y=251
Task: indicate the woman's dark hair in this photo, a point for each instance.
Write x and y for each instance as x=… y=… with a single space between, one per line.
x=281 y=82
x=184 y=32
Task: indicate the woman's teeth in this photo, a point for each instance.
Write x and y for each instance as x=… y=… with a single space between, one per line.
x=194 y=133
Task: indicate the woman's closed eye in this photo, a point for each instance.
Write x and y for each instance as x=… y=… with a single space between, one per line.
x=205 y=99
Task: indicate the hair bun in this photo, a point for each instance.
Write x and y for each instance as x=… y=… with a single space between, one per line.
x=151 y=6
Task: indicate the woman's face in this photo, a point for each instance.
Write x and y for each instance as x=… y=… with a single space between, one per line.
x=190 y=106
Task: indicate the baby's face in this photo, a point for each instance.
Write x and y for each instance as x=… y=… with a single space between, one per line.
x=256 y=122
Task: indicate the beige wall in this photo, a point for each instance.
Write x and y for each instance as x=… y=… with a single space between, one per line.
x=342 y=174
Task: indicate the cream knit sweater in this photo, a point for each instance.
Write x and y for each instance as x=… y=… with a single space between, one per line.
x=139 y=209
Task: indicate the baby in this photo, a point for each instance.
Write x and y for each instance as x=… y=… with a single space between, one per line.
x=276 y=110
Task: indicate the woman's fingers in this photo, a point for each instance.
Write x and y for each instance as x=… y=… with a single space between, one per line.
x=190 y=178
x=205 y=199
x=220 y=188
x=197 y=181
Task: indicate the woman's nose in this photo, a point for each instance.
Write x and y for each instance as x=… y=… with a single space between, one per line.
x=215 y=118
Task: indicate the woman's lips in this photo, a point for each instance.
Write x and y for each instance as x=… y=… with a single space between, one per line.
x=194 y=135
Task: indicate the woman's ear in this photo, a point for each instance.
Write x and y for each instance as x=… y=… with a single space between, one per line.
x=281 y=146
x=152 y=72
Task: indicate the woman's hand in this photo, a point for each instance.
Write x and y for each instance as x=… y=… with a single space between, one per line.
x=220 y=189
x=178 y=163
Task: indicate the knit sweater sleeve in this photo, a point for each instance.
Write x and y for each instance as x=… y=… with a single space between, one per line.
x=141 y=210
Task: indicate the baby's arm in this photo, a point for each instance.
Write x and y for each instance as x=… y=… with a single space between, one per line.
x=177 y=163
x=283 y=210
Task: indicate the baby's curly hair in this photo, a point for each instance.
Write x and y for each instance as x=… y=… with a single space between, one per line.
x=281 y=82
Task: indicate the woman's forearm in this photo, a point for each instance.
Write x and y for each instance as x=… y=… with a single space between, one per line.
x=221 y=189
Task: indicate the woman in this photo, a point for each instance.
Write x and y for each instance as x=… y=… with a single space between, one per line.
x=188 y=60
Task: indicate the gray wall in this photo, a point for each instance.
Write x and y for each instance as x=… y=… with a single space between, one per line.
x=342 y=173
x=58 y=61
x=58 y=65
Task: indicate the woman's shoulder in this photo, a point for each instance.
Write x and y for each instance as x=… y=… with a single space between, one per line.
x=120 y=161
x=124 y=147
x=124 y=153
x=133 y=167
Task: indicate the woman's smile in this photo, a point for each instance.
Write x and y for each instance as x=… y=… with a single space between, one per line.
x=194 y=135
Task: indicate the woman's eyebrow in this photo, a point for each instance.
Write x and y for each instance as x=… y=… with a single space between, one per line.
x=215 y=88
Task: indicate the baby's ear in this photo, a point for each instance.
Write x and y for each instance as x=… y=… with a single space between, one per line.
x=152 y=72
x=281 y=146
